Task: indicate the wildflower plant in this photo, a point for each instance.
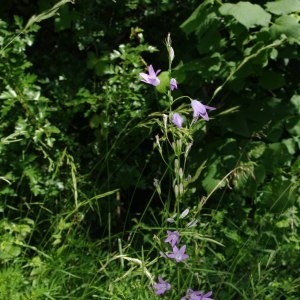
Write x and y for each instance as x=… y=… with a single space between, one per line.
x=177 y=126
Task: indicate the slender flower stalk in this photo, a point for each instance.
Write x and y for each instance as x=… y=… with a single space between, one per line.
x=180 y=147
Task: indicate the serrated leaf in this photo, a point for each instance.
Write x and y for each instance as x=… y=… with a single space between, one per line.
x=246 y=13
x=283 y=7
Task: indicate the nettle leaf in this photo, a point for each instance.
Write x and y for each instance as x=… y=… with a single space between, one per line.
x=246 y=13
x=283 y=7
x=288 y=26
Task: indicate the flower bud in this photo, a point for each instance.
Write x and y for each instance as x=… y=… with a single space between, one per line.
x=171 y=54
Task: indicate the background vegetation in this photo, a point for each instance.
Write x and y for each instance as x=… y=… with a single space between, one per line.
x=80 y=216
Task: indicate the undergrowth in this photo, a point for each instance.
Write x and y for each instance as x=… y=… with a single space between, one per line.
x=123 y=190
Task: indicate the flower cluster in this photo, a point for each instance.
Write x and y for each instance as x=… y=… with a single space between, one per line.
x=199 y=109
x=178 y=253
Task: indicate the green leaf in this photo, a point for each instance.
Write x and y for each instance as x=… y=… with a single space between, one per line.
x=276 y=156
x=237 y=124
x=246 y=13
x=279 y=195
x=164 y=82
x=201 y=19
x=283 y=223
x=213 y=178
x=210 y=41
x=288 y=26
x=296 y=102
x=257 y=150
x=283 y=7
x=296 y=166
x=271 y=80
x=293 y=126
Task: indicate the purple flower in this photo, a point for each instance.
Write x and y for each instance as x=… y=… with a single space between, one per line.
x=196 y=295
x=173 y=238
x=200 y=110
x=177 y=120
x=161 y=287
x=151 y=78
x=206 y=296
x=178 y=254
x=173 y=84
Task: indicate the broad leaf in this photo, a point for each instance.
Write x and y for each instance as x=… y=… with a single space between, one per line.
x=201 y=19
x=288 y=26
x=283 y=7
x=246 y=13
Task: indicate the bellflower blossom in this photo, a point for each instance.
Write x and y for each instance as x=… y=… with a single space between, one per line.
x=199 y=110
x=173 y=84
x=178 y=254
x=151 y=78
x=184 y=213
x=196 y=295
x=161 y=287
x=177 y=120
x=173 y=238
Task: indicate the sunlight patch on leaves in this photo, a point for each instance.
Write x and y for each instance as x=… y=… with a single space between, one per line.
x=246 y=13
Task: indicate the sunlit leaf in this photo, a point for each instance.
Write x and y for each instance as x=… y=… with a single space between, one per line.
x=246 y=13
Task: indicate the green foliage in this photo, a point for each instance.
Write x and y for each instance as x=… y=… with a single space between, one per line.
x=77 y=161
x=250 y=15
x=248 y=54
